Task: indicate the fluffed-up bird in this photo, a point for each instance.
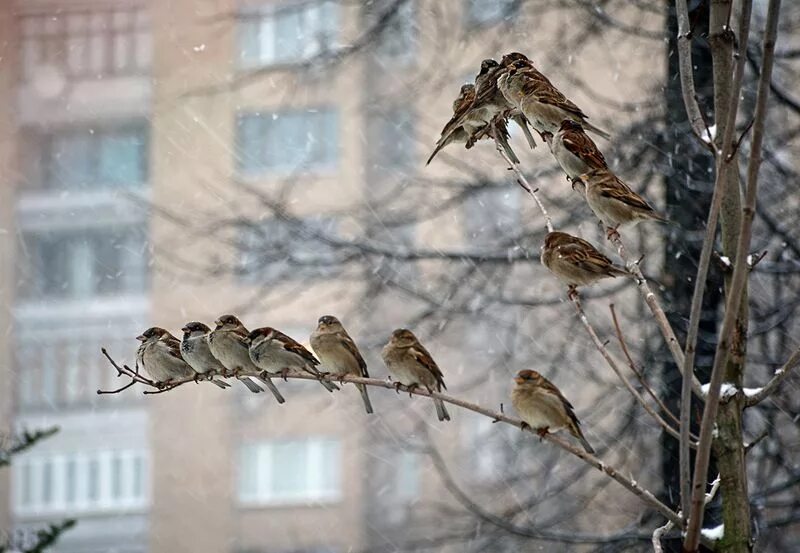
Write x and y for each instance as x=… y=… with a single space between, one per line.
x=613 y=201
x=575 y=152
x=339 y=354
x=160 y=356
x=196 y=351
x=276 y=353
x=228 y=342
x=543 y=407
x=411 y=365
x=576 y=262
x=540 y=101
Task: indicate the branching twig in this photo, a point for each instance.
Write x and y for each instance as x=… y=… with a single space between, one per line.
x=738 y=285
x=523 y=182
x=628 y=483
x=636 y=371
x=601 y=347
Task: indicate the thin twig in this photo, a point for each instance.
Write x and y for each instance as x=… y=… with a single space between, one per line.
x=655 y=308
x=657 y=533
x=601 y=347
x=628 y=483
x=523 y=182
x=696 y=120
x=738 y=285
x=636 y=371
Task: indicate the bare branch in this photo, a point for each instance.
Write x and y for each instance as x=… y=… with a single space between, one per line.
x=523 y=182
x=628 y=483
x=738 y=284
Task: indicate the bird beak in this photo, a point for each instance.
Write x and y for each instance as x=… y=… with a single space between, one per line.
x=519 y=380
x=218 y=323
x=141 y=338
x=185 y=329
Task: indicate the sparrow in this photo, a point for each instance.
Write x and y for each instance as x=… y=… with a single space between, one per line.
x=575 y=152
x=228 y=342
x=613 y=201
x=533 y=93
x=274 y=352
x=576 y=262
x=543 y=407
x=466 y=122
x=196 y=352
x=339 y=353
x=411 y=365
x=160 y=356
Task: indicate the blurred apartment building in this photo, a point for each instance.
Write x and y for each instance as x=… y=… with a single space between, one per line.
x=101 y=129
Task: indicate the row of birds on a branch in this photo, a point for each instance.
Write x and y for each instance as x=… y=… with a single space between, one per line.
x=231 y=350
x=514 y=89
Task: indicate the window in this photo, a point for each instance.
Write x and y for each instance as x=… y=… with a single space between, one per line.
x=84 y=263
x=492 y=214
x=79 y=482
x=62 y=369
x=275 y=249
x=285 y=141
x=397 y=42
x=87 y=44
x=88 y=158
x=286 y=34
x=281 y=472
x=488 y=12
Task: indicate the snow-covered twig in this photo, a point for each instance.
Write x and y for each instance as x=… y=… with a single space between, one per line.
x=776 y=380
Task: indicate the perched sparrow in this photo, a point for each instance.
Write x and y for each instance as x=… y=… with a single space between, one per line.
x=575 y=261
x=575 y=152
x=196 y=352
x=339 y=353
x=229 y=344
x=411 y=365
x=533 y=93
x=542 y=406
x=160 y=356
x=274 y=352
x=614 y=203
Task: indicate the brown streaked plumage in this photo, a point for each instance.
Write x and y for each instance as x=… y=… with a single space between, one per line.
x=613 y=201
x=540 y=101
x=411 y=365
x=575 y=152
x=229 y=344
x=543 y=407
x=338 y=353
x=274 y=352
x=160 y=357
x=575 y=261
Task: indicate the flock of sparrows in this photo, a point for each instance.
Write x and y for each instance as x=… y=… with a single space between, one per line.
x=512 y=89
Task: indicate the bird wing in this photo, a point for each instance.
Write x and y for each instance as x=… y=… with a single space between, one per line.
x=615 y=189
x=461 y=108
x=580 y=145
x=292 y=345
x=350 y=346
x=424 y=358
x=581 y=253
x=173 y=347
x=540 y=87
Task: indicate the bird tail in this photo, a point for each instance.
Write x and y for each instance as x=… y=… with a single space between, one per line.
x=220 y=383
x=596 y=130
x=252 y=386
x=272 y=388
x=522 y=122
x=365 y=397
x=441 y=410
x=439 y=145
x=576 y=431
x=502 y=138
